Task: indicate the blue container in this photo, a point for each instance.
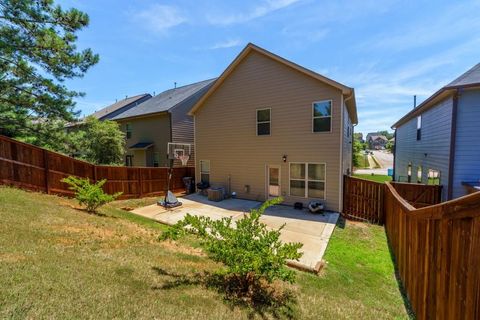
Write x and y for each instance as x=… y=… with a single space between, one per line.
x=390 y=172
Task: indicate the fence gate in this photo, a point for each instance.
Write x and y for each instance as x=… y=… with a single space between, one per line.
x=363 y=200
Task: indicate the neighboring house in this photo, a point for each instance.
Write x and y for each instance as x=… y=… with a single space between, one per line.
x=269 y=127
x=377 y=142
x=437 y=142
x=121 y=106
x=150 y=125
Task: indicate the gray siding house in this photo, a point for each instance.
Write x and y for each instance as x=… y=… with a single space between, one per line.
x=437 y=142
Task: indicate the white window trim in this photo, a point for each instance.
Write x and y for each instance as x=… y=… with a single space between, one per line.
x=307 y=180
x=319 y=117
x=204 y=172
x=258 y=122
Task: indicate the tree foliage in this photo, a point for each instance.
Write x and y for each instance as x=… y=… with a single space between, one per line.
x=90 y=194
x=38 y=53
x=101 y=142
x=249 y=250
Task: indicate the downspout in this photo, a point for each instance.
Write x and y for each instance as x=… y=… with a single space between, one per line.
x=453 y=138
x=353 y=141
x=394 y=152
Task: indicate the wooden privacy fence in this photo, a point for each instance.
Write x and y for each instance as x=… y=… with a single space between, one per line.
x=437 y=253
x=364 y=199
x=30 y=167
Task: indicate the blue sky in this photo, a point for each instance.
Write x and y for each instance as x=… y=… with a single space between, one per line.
x=387 y=50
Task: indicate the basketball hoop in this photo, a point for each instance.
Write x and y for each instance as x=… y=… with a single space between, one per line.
x=179 y=151
x=184 y=159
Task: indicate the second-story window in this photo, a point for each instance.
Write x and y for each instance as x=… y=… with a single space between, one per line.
x=128 y=130
x=419 y=127
x=322 y=116
x=263 y=122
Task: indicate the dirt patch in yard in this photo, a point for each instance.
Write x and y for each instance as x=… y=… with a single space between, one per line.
x=176 y=247
x=12 y=257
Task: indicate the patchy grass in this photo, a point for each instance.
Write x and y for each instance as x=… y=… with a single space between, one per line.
x=60 y=262
x=377 y=177
x=362 y=161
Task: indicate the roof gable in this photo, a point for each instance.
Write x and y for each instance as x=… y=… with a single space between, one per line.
x=471 y=78
x=350 y=101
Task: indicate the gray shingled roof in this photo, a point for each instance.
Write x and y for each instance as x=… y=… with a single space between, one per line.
x=167 y=99
x=103 y=113
x=472 y=76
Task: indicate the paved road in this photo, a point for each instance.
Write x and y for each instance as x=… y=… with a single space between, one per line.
x=385 y=159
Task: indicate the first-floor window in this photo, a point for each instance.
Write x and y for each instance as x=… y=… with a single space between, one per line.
x=433 y=177
x=205 y=171
x=307 y=180
x=409 y=172
x=419 y=174
x=156 y=159
x=129 y=160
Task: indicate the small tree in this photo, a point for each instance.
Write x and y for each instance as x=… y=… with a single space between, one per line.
x=104 y=142
x=249 y=250
x=88 y=194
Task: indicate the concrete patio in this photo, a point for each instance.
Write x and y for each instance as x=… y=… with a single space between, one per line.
x=312 y=230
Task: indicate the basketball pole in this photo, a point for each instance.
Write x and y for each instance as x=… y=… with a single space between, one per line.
x=169 y=177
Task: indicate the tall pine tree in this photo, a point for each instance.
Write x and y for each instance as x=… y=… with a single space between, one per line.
x=38 y=53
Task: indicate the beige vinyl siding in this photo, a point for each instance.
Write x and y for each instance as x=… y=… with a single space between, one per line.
x=225 y=129
x=154 y=128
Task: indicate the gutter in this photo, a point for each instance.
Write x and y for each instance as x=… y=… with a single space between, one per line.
x=453 y=138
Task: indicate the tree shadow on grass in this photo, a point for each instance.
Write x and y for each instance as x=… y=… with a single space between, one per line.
x=259 y=298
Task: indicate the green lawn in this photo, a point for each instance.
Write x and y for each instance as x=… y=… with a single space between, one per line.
x=362 y=161
x=59 y=262
x=377 y=177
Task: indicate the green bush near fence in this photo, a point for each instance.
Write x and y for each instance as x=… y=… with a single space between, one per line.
x=91 y=195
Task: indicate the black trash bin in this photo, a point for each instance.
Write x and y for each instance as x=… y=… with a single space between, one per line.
x=189 y=185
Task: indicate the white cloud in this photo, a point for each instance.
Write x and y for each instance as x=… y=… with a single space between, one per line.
x=385 y=95
x=161 y=18
x=259 y=11
x=226 y=44
x=451 y=24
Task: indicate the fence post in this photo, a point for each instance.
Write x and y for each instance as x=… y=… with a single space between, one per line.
x=47 y=171
x=94 y=173
x=140 y=181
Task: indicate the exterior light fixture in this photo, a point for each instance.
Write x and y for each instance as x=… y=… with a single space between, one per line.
x=284 y=158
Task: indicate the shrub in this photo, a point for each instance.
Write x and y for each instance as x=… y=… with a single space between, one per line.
x=251 y=253
x=88 y=194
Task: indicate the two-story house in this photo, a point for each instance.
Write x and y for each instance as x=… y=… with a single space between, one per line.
x=269 y=127
x=437 y=142
x=377 y=142
x=152 y=123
